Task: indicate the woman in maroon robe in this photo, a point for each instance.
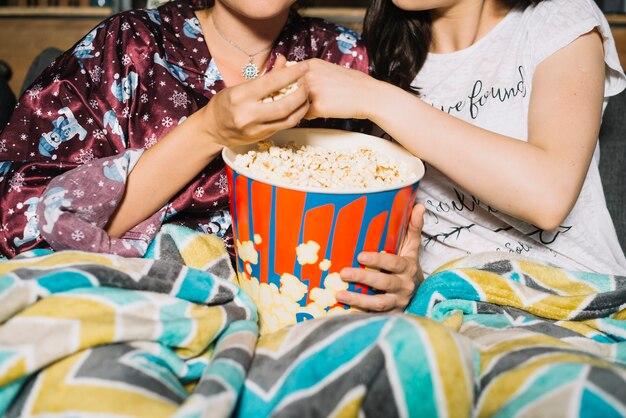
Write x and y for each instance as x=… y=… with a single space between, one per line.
x=115 y=105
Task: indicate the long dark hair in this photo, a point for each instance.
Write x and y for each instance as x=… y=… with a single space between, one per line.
x=398 y=40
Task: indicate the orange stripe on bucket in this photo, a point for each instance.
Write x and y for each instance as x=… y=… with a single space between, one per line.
x=317 y=225
x=402 y=200
x=262 y=203
x=375 y=233
x=289 y=209
x=346 y=234
x=243 y=211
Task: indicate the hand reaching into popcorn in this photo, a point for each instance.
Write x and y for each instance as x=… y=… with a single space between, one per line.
x=398 y=276
x=337 y=92
x=242 y=115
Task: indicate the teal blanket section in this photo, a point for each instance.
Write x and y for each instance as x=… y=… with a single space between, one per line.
x=171 y=335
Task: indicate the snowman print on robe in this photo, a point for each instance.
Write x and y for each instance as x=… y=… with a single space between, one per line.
x=54 y=202
x=125 y=89
x=218 y=224
x=5 y=166
x=83 y=50
x=139 y=245
x=346 y=40
x=110 y=122
x=176 y=72
x=211 y=75
x=191 y=28
x=154 y=16
x=31 y=230
x=65 y=127
x=117 y=169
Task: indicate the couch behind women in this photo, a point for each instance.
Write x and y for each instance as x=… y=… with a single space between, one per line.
x=613 y=162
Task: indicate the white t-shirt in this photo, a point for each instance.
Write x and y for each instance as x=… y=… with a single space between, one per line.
x=489 y=85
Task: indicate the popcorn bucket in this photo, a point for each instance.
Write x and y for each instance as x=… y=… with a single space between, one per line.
x=292 y=242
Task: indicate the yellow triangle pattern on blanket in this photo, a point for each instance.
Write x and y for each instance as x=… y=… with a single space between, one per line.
x=202 y=250
x=350 y=405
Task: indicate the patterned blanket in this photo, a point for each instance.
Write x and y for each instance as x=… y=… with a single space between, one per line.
x=86 y=335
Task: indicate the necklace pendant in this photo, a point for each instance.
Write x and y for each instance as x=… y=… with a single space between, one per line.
x=250 y=71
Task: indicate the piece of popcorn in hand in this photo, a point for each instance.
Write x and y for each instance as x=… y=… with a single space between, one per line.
x=285 y=91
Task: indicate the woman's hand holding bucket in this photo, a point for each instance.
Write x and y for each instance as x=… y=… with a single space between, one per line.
x=396 y=276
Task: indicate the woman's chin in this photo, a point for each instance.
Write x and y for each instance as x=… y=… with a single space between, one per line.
x=423 y=5
x=259 y=9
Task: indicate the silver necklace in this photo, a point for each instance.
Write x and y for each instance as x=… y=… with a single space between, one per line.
x=249 y=71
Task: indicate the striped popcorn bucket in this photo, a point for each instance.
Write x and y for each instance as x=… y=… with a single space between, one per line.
x=291 y=243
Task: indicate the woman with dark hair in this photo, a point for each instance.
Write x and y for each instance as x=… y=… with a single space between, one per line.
x=503 y=100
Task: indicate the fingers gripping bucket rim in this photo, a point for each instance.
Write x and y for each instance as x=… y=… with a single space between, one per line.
x=284 y=234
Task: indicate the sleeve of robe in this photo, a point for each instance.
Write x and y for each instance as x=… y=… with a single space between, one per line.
x=65 y=155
